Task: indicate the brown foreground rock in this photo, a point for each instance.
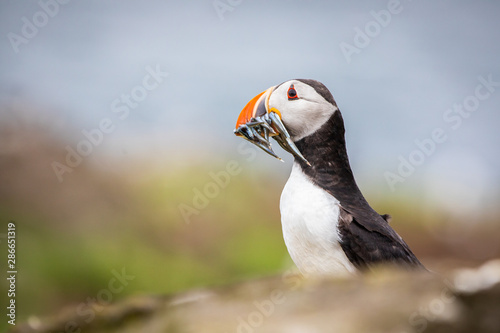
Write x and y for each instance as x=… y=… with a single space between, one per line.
x=385 y=300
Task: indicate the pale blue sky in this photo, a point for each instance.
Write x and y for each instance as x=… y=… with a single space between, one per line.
x=418 y=63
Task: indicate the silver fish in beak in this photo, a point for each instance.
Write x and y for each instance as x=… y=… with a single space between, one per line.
x=257 y=123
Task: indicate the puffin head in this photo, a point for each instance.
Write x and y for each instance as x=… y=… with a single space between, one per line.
x=288 y=113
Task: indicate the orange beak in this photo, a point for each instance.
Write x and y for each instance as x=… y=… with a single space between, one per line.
x=257 y=123
x=257 y=107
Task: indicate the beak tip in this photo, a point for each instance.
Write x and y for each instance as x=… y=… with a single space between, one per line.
x=257 y=124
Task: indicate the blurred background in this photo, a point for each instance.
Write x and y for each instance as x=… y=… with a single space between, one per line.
x=117 y=151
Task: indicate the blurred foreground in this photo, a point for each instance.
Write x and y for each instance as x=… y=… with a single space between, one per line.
x=386 y=300
x=169 y=227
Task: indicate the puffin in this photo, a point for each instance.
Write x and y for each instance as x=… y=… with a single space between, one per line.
x=328 y=226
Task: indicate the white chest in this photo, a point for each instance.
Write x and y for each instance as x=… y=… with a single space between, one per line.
x=309 y=217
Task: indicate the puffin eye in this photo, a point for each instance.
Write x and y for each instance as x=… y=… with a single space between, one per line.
x=292 y=93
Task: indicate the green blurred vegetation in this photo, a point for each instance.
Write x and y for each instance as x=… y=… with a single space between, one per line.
x=72 y=235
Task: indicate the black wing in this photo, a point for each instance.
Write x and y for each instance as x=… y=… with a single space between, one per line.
x=374 y=242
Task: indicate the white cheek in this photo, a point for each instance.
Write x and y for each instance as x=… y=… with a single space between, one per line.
x=303 y=118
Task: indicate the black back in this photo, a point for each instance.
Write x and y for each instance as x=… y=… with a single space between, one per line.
x=366 y=237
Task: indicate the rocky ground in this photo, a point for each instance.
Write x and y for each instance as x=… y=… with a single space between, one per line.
x=385 y=300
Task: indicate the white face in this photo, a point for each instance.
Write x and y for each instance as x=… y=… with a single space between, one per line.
x=304 y=115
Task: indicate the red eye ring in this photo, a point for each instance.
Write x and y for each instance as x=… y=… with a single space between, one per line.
x=292 y=93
